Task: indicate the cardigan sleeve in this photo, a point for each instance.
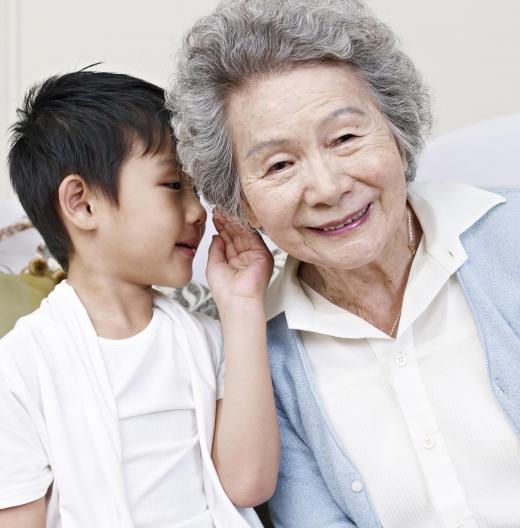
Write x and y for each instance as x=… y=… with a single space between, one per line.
x=302 y=498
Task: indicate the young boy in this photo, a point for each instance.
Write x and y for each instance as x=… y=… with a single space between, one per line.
x=107 y=392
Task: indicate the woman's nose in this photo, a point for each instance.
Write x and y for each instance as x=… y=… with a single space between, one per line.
x=325 y=183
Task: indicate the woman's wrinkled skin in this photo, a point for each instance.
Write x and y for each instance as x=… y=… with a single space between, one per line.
x=312 y=150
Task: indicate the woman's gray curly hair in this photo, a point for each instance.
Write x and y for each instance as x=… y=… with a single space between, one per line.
x=244 y=39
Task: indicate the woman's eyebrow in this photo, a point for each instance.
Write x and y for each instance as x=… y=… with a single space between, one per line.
x=354 y=110
x=282 y=142
x=342 y=111
x=267 y=144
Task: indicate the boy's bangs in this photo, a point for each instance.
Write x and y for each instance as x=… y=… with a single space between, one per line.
x=155 y=134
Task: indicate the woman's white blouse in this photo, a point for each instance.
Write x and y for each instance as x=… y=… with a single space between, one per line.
x=416 y=414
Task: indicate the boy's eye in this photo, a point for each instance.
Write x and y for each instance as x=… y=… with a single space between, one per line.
x=174 y=186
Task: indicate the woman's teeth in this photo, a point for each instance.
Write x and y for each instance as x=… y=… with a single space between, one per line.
x=353 y=219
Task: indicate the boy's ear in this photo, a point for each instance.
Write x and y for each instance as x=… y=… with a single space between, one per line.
x=77 y=202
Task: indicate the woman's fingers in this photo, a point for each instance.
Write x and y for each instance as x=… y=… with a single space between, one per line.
x=217 y=251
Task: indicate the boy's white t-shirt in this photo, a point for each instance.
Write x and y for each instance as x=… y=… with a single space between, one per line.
x=25 y=468
x=161 y=458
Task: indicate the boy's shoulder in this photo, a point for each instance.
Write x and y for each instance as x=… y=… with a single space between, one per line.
x=20 y=353
x=44 y=319
x=22 y=337
x=42 y=337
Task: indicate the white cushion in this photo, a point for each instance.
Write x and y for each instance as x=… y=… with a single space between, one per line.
x=486 y=154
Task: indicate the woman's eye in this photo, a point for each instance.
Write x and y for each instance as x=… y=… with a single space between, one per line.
x=174 y=186
x=280 y=165
x=343 y=139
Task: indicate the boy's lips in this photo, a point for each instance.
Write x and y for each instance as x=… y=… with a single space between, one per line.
x=188 y=247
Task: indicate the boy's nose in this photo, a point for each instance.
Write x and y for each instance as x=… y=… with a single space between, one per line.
x=196 y=213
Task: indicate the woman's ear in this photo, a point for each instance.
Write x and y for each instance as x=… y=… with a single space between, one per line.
x=77 y=202
x=405 y=162
x=250 y=216
x=251 y=219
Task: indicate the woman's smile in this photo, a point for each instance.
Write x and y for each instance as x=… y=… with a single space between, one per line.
x=345 y=225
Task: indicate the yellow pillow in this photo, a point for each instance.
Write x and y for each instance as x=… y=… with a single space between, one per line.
x=22 y=294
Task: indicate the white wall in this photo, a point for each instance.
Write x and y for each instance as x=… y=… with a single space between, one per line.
x=468 y=50
x=42 y=37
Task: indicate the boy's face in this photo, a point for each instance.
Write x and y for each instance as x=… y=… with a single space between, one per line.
x=151 y=237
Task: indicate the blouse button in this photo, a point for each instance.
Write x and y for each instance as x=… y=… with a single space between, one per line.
x=429 y=443
x=401 y=360
x=357 y=486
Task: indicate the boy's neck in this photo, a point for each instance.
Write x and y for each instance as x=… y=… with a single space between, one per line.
x=117 y=309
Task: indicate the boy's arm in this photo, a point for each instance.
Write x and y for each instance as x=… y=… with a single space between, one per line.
x=25 y=474
x=31 y=515
x=246 y=445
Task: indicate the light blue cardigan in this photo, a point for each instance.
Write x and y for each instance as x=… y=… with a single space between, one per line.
x=315 y=481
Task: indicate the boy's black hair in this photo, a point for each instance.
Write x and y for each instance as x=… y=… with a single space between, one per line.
x=84 y=123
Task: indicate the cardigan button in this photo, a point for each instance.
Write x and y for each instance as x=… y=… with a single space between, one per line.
x=357 y=486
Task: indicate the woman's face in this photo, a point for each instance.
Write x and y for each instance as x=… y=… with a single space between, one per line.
x=319 y=167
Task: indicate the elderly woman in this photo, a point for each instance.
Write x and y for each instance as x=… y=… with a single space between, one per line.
x=395 y=325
